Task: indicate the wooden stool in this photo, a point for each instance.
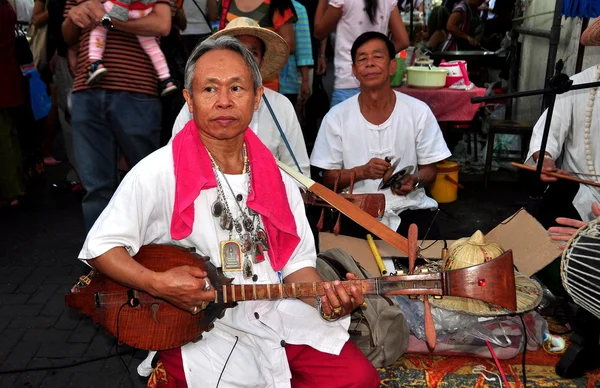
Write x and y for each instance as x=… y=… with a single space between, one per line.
x=522 y=128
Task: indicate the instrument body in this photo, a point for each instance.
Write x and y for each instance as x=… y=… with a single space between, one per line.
x=145 y=322
x=580 y=267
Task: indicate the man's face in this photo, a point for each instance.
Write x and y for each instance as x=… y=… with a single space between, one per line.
x=254 y=45
x=223 y=99
x=373 y=66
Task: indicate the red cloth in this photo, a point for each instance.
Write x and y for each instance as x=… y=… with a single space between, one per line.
x=11 y=91
x=310 y=367
x=448 y=104
x=267 y=197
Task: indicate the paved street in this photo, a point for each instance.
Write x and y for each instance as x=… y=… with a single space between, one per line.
x=42 y=342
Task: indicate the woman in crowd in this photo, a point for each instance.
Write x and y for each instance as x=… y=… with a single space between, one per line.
x=198 y=14
x=349 y=19
x=436 y=27
x=11 y=97
x=39 y=19
x=276 y=15
x=464 y=25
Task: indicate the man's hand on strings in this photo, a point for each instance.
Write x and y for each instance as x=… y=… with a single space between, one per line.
x=549 y=165
x=337 y=302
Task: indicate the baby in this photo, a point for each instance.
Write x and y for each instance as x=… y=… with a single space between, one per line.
x=124 y=10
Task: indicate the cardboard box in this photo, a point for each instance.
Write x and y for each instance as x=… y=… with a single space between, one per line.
x=529 y=241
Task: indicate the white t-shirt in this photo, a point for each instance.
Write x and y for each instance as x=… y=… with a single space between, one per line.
x=566 y=137
x=264 y=126
x=352 y=24
x=140 y=213
x=196 y=23
x=346 y=140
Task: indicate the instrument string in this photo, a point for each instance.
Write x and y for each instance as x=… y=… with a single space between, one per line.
x=227 y=360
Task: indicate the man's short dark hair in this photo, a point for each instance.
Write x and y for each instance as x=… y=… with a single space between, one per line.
x=368 y=36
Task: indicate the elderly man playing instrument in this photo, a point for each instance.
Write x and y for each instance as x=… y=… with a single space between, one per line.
x=215 y=186
x=270 y=51
x=360 y=136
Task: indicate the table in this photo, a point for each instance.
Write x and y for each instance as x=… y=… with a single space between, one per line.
x=447 y=104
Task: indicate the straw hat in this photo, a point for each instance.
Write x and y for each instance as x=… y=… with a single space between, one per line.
x=591 y=35
x=474 y=250
x=276 y=49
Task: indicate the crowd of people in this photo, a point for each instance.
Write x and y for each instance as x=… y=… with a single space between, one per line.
x=198 y=118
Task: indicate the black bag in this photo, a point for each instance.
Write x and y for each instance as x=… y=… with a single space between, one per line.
x=380 y=331
x=22 y=50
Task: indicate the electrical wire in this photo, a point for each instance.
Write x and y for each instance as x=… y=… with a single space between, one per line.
x=131 y=302
x=498 y=365
x=227 y=360
x=524 y=351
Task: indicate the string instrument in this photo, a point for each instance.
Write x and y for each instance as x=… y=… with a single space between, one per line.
x=558 y=175
x=146 y=322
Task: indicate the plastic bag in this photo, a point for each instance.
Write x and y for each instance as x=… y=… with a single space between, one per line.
x=40 y=101
x=455 y=327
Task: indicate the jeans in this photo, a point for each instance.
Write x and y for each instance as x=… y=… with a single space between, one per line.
x=341 y=95
x=105 y=123
x=64 y=83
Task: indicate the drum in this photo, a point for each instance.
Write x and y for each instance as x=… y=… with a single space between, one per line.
x=580 y=267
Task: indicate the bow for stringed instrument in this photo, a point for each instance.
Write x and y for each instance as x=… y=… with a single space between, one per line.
x=145 y=322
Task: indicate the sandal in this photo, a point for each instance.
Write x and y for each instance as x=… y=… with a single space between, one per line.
x=167 y=87
x=96 y=72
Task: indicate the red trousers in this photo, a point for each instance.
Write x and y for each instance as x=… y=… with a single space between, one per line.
x=310 y=368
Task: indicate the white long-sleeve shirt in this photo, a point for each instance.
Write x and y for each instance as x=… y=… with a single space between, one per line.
x=566 y=137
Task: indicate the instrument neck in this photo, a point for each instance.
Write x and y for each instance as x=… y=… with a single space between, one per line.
x=430 y=284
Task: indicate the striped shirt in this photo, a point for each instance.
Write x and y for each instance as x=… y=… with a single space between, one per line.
x=289 y=81
x=129 y=67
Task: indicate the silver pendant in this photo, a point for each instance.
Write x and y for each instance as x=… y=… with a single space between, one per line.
x=217 y=208
x=238 y=226
x=248 y=224
x=231 y=256
x=261 y=238
x=247 y=271
x=247 y=242
x=226 y=222
x=259 y=255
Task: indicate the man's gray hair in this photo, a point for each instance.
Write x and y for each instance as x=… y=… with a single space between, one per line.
x=224 y=42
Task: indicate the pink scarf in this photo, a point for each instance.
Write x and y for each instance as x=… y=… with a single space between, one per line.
x=267 y=197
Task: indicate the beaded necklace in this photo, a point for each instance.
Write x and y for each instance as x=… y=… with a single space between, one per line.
x=588 y=129
x=238 y=254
